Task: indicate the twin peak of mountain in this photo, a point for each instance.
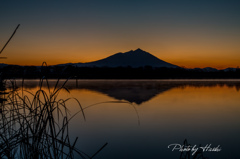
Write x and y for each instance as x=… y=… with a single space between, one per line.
x=134 y=58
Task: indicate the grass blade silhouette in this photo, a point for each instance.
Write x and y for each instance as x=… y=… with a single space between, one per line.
x=10 y=38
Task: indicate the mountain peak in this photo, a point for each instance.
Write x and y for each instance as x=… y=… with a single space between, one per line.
x=139 y=50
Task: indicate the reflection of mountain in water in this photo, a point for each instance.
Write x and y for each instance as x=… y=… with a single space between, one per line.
x=136 y=95
x=133 y=95
x=135 y=91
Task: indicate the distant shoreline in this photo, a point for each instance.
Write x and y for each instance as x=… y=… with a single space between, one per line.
x=163 y=80
x=146 y=72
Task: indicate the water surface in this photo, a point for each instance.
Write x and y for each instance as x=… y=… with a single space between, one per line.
x=159 y=113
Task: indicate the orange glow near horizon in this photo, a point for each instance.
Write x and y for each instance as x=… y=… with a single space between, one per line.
x=184 y=51
x=186 y=60
x=186 y=63
x=189 y=49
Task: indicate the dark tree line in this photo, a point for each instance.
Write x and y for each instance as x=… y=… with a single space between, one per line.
x=147 y=72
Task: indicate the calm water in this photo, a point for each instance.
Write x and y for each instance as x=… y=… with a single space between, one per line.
x=161 y=113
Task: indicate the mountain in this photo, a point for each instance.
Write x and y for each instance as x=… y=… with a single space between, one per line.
x=209 y=69
x=134 y=59
x=3 y=65
x=230 y=69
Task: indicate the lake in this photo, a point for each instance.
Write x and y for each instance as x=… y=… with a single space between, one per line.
x=139 y=119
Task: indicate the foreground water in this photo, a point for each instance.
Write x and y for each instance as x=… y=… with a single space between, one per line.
x=159 y=113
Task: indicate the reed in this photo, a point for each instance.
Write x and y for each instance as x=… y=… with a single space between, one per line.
x=29 y=129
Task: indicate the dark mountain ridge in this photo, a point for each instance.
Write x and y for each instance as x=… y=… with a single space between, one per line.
x=134 y=59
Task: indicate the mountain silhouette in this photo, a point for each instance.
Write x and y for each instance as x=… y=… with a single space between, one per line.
x=135 y=59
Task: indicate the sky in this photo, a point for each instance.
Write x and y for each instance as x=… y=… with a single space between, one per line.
x=199 y=33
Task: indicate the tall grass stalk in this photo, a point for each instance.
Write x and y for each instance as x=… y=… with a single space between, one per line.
x=28 y=128
x=10 y=38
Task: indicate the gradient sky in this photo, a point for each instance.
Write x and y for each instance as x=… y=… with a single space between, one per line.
x=199 y=33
